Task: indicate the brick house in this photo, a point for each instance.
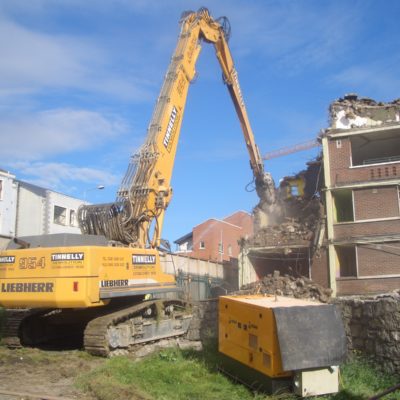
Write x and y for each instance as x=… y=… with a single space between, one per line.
x=361 y=153
x=216 y=239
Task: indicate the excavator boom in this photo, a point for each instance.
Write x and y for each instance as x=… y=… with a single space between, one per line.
x=137 y=215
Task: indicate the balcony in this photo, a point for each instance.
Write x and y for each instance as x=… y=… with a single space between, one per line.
x=350 y=231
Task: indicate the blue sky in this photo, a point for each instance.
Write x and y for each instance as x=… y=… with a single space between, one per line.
x=79 y=79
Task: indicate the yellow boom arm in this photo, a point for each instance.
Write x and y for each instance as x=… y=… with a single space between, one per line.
x=137 y=216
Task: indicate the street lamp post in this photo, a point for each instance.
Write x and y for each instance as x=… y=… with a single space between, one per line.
x=98 y=187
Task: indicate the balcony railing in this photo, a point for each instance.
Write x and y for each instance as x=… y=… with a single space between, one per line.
x=381 y=160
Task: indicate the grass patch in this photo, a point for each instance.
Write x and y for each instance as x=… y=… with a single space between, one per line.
x=37 y=357
x=169 y=375
x=361 y=379
x=179 y=375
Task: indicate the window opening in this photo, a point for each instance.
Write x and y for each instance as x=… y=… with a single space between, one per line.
x=294 y=190
x=343 y=200
x=373 y=148
x=347 y=259
x=72 y=218
x=202 y=245
x=60 y=214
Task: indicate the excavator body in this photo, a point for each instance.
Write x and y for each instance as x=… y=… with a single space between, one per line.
x=78 y=276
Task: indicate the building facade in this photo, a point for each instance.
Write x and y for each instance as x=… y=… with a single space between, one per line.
x=344 y=233
x=8 y=204
x=216 y=240
x=27 y=209
x=361 y=152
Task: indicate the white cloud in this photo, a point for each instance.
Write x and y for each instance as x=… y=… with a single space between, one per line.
x=58 y=176
x=33 y=136
x=32 y=62
x=293 y=35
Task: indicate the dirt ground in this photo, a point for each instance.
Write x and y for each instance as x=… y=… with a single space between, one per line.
x=43 y=374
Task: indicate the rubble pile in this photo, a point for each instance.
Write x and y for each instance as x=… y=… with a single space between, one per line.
x=352 y=111
x=296 y=228
x=299 y=288
x=283 y=234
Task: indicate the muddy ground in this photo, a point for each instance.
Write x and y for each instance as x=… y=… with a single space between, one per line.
x=43 y=374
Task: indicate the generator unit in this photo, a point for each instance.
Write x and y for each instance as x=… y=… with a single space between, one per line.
x=272 y=343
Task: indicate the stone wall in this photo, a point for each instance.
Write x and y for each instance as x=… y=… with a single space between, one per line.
x=372 y=326
x=204 y=324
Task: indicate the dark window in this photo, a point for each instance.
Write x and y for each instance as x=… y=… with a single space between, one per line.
x=60 y=215
x=343 y=200
x=347 y=260
x=72 y=218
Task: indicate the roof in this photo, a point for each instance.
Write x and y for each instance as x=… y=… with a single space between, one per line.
x=236 y=212
x=184 y=238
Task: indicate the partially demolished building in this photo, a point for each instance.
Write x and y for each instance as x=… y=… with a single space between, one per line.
x=297 y=244
x=346 y=233
x=361 y=152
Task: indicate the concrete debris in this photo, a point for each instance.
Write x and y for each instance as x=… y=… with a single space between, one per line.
x=297 y=227
x=287 y=233
x=299 y=288
x=354 y=112
x=144 y=351
x=267 y=209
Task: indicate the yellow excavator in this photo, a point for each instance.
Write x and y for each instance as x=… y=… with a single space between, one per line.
x=96 y=283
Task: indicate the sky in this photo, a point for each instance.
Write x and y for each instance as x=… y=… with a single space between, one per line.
x=79 y=80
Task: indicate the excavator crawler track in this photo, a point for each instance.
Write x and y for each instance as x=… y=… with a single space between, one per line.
x=120 y=329
x=13 y=320
x=128 y=328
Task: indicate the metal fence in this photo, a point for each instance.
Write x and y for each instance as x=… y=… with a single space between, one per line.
x=199 y=287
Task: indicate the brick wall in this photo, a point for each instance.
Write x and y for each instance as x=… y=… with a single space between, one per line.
x=384 y=260
x=341 y=173
x=339 y=157
x=242 y=219
x=381 y=202
x=319 y=268
x=212 y=231
x=365 y=173
x=349 y=230
x=349 y=286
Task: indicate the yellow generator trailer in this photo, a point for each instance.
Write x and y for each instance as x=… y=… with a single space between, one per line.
x=272 y=343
